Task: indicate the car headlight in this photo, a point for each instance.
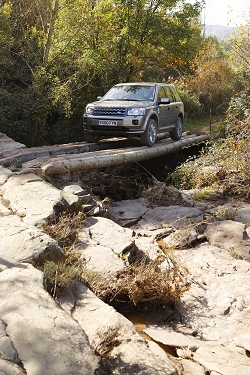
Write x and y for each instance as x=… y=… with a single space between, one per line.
x=89 y=110
x=136 y=111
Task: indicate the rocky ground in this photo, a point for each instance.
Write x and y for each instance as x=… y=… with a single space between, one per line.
x=206 y=333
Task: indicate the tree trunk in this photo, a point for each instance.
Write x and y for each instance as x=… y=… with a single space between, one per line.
x=107 y=158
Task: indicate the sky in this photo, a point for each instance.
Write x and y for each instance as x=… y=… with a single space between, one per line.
x=225 y=12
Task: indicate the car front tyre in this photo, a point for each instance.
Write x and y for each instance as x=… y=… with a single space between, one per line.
x=148 y=138
x=90 y=138
x=177 y=132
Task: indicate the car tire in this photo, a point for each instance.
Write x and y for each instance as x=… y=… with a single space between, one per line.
x=90 y=137
x=148 y=138
x=177 y=132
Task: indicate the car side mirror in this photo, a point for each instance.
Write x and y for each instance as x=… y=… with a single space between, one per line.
x=99 y=97
x=165 y=101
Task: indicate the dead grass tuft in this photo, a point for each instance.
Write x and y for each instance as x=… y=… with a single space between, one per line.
x=59 y=275
x=65 y=228
x=157 y=283
x=161 y=194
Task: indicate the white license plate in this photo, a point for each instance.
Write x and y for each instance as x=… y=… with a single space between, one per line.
x=107 y=122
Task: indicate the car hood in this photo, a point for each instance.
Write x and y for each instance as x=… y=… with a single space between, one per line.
x=122 y=103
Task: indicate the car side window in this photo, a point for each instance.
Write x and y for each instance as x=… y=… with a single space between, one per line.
x=169 y=94
x=161 y=93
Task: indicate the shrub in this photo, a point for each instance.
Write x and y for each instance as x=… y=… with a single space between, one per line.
x=223 y=166
x=193 y=107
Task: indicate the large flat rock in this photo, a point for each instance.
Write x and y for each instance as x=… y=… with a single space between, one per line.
x=217 y=306
x=31 y=198
x=48 y=341
x=230 y=235
x=20 y=241
x=115 y=337
x=8 y=144
x=160 y=218
x=99 y=230
x=4 y=175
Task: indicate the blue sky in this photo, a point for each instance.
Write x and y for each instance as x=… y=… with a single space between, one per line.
x=225 y=12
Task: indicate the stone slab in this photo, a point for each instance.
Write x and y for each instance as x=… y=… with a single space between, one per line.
x=48 y=341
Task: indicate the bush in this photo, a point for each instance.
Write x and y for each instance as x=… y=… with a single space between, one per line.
x=193 y=107
x=237 y=115
x=223 y=166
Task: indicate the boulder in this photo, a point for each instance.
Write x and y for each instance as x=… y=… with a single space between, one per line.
x=4 y=175
x=47 y=340
x=129 y=212
x=8 y=144
x=230 y=235
x=102 y=243
x=20 y=241
x=32 y=198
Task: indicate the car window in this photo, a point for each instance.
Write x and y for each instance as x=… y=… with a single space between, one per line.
x=161 y=93
x=169 y=94
x=130 y=92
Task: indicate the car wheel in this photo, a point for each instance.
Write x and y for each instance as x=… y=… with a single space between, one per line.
x=177 y=132
x=91 y=138
x=148 y=138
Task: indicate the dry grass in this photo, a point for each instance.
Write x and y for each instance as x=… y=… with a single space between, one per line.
x=223 y=166
x=65 y=228
x=156 y=283
x=59 y=275
x=161 y=194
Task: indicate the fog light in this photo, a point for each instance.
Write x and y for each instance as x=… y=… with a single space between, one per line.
x=135 y=122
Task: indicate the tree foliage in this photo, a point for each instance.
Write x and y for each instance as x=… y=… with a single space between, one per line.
x=57 y=55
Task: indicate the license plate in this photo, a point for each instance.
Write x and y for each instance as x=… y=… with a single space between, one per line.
x=107 y=122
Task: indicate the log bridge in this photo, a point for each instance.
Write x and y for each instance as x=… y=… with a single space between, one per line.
x=67 y=158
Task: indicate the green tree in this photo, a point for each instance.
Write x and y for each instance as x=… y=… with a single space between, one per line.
x=60 y=54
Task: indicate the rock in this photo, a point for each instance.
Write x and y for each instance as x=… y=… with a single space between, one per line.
x=224 y=361
x=217 y=305
x=115 y=337
x=32 y=198
x=7 y=351
x=4 y=174
x=229 y=235
x=48 y=341
x=20 y=241
x=189 y=367
x=242 y=215
x=102 y=231
x=168 y=336
x=39 y=337
x=101 y=249
x=8 y=368
x=181 y=238
x=8 y=144
x=127 y=213
x=172 y=216
x=4 y=211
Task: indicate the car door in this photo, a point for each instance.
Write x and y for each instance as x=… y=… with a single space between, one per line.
x=164 y=110
x=173 y=107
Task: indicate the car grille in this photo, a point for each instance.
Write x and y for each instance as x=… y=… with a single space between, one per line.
x=110 y=111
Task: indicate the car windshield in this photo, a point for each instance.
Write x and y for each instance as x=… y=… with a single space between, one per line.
x=133 y=92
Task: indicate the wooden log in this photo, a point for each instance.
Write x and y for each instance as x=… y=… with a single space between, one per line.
x=107 y=158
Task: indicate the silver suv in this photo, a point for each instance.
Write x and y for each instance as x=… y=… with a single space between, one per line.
x=135 y=109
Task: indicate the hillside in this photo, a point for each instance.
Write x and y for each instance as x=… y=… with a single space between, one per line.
x=221 y=32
